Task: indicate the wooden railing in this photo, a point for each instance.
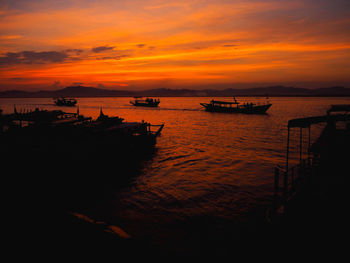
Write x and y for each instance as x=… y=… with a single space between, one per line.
x=289 y=182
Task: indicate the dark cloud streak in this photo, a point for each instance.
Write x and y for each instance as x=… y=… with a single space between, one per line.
x=33 y=57
x=101 y=49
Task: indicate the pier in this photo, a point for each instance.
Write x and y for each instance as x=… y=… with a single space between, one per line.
x=325 y=168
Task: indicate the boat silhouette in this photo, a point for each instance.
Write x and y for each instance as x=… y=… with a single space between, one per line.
x=65 y=101
x=57 y=128
x=148 y=102
x=235 y=107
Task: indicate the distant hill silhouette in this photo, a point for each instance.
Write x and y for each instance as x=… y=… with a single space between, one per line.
x=82 y=91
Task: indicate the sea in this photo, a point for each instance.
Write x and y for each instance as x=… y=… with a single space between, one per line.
x=211 y=174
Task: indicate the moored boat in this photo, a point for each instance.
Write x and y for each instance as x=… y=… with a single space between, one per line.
x=56 y=128
x=236 y=107
x=148 y=102
x=67 y=159
x=113 y=128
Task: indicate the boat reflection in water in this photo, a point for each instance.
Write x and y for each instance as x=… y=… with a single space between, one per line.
x=235 y=107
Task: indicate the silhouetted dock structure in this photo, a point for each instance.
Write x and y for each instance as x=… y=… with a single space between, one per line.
x=310 y=198
x=321 y=178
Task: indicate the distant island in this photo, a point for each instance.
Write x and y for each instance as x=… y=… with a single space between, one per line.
x=274 y=91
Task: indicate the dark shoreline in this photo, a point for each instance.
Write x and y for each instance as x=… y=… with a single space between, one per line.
x=165 y=96
x=272 y=91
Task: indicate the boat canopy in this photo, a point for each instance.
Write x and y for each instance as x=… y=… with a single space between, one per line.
x=339 y=107
x=307 y=122
x=223 y=102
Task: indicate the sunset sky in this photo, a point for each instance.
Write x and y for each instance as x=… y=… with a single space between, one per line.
x=137 y=44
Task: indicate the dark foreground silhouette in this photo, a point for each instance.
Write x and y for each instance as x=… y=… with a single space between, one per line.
x=56 y=164
x=312 y=208
x=50 y=176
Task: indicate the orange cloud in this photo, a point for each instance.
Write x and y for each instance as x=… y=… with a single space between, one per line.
x=196 y=42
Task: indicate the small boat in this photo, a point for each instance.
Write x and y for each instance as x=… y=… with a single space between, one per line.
x=236 y=107
x=112 y=126
x=65 y=101
x=148 y=102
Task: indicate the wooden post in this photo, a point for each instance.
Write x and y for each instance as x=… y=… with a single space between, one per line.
x=287 y=156
x=277 y=177
x=292 y=175
x=301 y=143
x=309 y=145
x=300 y=171
x=285 y=186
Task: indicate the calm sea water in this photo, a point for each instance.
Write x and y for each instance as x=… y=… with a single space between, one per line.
x=210 y=170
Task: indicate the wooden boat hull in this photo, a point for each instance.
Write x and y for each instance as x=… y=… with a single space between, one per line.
x=256 y=109
x=154 y=104
x=58 y=128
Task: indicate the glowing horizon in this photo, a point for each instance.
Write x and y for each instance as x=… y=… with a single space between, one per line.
x=139 y=44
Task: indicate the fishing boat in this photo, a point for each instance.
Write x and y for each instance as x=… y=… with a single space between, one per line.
x=148 y=102
x=115 y=129
x=71 y=158
x=58 y=128
x=236 y=107
x=65 y=101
